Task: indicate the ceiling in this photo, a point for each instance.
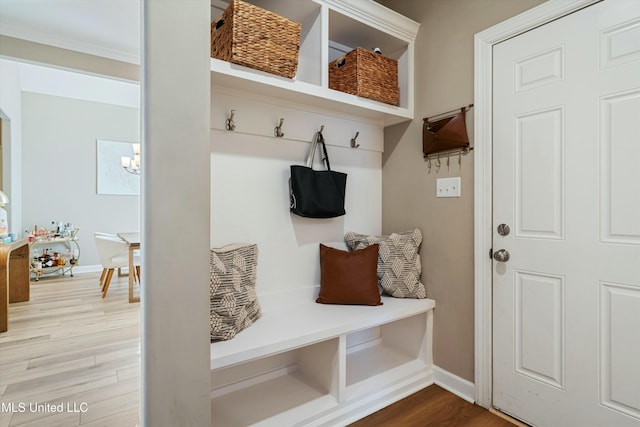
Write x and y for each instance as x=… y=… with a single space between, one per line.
x=108 y=28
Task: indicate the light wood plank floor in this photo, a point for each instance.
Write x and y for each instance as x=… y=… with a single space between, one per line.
x=69 y=346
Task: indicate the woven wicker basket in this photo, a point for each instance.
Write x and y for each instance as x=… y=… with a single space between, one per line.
x=367 y=74
x=256 y=38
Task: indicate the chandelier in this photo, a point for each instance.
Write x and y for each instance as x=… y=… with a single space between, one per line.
x=132 y=165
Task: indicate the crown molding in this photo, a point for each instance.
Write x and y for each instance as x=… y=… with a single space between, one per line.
x=377 y=16
x=41 y=37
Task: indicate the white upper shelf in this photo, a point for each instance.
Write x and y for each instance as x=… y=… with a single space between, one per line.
x=234 y=76
x=330 y=28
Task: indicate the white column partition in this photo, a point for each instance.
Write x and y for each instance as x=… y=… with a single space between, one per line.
x=175 y=191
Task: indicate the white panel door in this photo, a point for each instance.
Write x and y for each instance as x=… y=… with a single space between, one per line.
x=566 y=305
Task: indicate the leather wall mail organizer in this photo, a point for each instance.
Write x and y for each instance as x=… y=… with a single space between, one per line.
x=445 y=134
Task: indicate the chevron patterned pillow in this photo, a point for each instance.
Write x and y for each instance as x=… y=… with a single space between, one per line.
x=399 y=265
x=233 y=301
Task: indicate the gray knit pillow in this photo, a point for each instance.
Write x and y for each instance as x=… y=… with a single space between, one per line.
x=234 y=304
x=399 y=265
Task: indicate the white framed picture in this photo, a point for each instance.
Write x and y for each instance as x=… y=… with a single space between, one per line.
x=112 y=178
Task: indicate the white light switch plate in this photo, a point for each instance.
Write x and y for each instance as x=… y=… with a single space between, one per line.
x=448 y=187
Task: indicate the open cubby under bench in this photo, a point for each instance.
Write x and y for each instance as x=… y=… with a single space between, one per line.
x=309 y=364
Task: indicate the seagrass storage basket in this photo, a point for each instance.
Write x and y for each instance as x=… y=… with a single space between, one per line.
x=254 y=37
x=365 y=73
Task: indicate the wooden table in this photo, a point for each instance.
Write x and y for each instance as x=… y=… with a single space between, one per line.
x=133 y=241
x=14 y=277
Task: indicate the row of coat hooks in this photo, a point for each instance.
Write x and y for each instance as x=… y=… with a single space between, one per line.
x=230 y=125
x=438 y=164
x=445 y=135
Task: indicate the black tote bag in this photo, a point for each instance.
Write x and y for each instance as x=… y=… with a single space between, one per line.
x=317 y=193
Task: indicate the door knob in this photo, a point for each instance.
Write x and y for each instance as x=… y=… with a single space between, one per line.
x=501 y=255
x=503 y=230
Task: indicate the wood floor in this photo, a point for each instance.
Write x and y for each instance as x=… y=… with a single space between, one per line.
x=69 y=346
x=433 y=407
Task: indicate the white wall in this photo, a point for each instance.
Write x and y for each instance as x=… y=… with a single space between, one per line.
x=11 y=106
x=64 y=113
x=59 y=166
x=250 y=193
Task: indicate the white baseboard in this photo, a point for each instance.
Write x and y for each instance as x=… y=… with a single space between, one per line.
x=97 y=268
x=87 y=269
x=454 y=384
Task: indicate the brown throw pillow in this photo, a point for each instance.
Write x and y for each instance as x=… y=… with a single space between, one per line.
x=349 y=277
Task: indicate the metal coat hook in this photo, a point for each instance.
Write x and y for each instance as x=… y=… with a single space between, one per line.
x=229 y=124
x=278 y=130
x=451 y=154
x=321 y=128
x=353 y=141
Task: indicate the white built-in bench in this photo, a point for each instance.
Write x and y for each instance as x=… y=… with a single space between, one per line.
x=313 y=364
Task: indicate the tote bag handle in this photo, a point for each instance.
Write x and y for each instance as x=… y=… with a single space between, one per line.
x=318 y=138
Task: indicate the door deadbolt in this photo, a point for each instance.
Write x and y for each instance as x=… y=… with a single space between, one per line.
x=504 y=230
x=502 y=255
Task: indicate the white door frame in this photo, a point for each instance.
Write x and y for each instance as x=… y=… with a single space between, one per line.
x=483 y=149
